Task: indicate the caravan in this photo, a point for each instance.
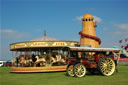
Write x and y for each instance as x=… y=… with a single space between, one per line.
x=2 y=63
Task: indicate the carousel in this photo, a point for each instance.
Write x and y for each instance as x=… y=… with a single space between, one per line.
x=44 y=54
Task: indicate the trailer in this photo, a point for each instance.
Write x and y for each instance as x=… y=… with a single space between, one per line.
x=2 y=63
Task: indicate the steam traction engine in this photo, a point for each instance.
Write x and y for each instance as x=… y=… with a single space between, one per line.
x=83 y=59
x=90 y=57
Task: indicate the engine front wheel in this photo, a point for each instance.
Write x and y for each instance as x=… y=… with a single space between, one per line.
x=69 y=70
x=106 y=66
x=79 y=70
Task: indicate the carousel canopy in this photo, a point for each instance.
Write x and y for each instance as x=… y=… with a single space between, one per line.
x=44 y=38
x=41 y=43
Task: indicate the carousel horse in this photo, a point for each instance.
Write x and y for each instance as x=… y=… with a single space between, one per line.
x=30 y=62
x=27 y=61
x=63 y=61
x=52 y=61
x=22 y=61
x=60 y=59
x=41 y=61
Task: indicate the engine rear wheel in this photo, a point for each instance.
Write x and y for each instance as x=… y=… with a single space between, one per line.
x=69 y=70
x=79 y=70
x=106 y=66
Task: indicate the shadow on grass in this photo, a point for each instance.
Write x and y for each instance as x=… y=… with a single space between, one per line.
x=88 y=74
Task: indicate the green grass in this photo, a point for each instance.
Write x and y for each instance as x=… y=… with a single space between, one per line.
x=59 y=78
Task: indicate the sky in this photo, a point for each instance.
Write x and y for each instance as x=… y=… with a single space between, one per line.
x=24 y=20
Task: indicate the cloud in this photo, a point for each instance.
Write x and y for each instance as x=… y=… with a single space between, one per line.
x=12 y=34
x=78 y=18
x=122 y=30
x=96 y=18
x=122 y=26
x=6 y=31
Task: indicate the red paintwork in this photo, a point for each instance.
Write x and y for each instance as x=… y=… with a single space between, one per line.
x=98 y=56
x=90 y=36
x=91 y=66
x=88 y=63
x=8 y=65
x=123 y=60
x=91 y=57
x=70 y=60
x=84 y=61
x=92 y=61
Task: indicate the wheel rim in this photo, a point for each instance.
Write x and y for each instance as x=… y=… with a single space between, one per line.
x=70 y=70
x=80 y=70
x=107 y=66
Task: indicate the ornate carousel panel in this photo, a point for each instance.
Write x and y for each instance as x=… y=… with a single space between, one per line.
x=39 y=44
x=37 y=69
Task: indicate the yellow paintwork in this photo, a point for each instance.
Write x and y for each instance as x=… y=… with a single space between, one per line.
x=41 y=44
x=87 y=16
x=88 y=28
x=38 y=69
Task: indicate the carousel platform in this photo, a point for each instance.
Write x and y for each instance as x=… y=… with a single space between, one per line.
x=37 y=69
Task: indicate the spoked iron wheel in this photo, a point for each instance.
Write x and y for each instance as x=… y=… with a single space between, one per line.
x=69 y=70
x=79 y=70
x=106 y=66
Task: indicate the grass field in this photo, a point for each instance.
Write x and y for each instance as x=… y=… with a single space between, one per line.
x=59 y=78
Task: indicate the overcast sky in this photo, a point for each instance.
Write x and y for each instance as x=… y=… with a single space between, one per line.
x=24 y=20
